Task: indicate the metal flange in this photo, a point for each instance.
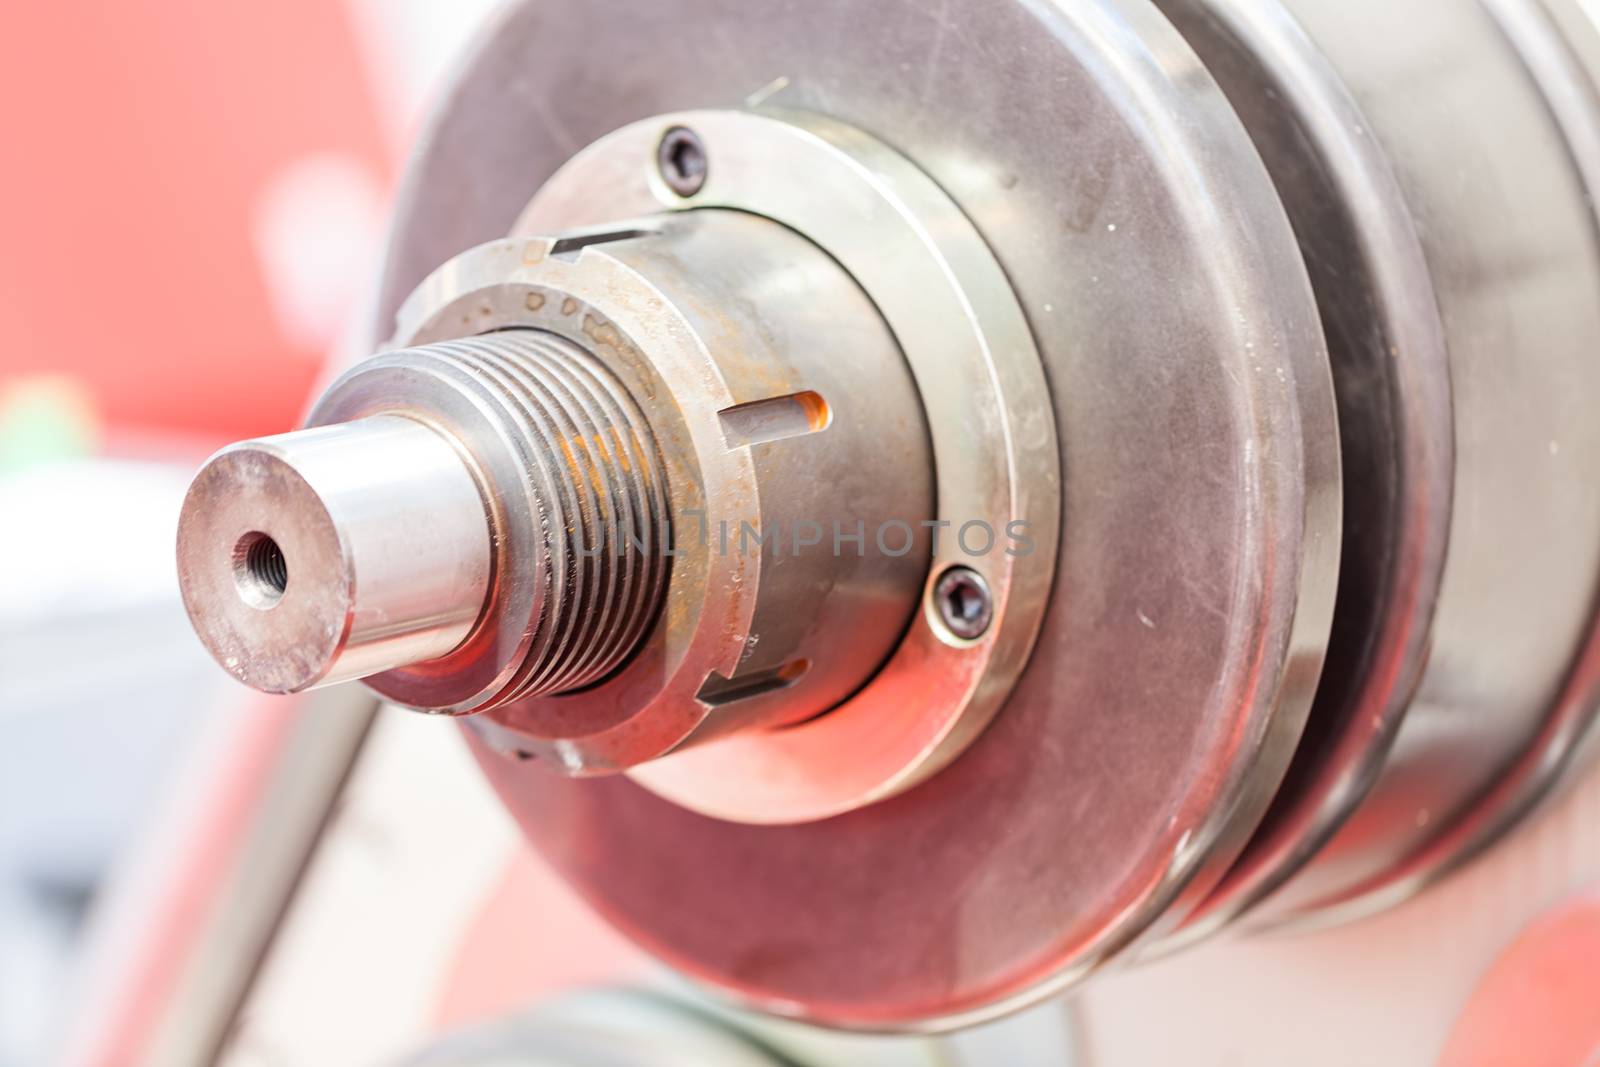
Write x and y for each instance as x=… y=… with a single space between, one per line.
x=763 y=399
x=1130 y=280
x=981 y=386
x=1461 y=316
x=1182 y=636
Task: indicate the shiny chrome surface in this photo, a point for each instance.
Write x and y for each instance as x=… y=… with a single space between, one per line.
x=1273 y=323
x=1505 y=224
x=1392 y=376
x=335 y=553
x=1448 y=705
x=1200 y=497
x=1558 y=45
x=575 y=500
x=659 y=448
x=995 y=457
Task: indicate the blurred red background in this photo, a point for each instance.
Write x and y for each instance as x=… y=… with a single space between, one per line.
x=140 y=143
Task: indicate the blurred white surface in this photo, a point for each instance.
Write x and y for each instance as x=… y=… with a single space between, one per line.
x=319 y=235
x=101 y=683
x=411 y=45
x=103 y=687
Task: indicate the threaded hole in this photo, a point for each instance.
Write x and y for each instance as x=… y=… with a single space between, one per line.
x=259 y=570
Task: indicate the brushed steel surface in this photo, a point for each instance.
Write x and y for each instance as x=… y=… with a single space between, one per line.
x=1392 y=375
x=1502 y=214
x=1194 y=414
x=704 y=315
x=995 y=458
x=334 y=553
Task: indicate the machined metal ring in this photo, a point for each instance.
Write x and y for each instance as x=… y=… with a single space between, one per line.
x=972 y=354
x=950 y=306
x=1199 y=476
x=593 y=290
x=1285 y=309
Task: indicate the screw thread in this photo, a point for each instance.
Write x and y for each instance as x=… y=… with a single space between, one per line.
x=597 y=478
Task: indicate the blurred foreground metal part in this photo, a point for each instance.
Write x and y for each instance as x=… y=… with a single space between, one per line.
x=1258 y=340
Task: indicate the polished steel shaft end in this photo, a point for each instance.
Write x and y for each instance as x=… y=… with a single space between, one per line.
x=503 y=486
x=333 y=553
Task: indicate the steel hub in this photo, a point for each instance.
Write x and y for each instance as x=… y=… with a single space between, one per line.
x=1259 y=337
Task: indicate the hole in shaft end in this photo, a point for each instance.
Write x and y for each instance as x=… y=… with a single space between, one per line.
x=260 y=571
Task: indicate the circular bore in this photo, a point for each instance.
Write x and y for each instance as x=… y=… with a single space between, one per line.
x=1184 y=363
x=259 y=570
x=300 y=633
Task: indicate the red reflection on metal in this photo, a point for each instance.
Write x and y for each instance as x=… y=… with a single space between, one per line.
x=534 y=938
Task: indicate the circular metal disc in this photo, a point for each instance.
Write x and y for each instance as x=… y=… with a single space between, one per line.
x=1200 y=493
x=1392 y=376
x=1486 y=127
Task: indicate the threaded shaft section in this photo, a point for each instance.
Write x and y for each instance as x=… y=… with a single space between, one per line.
x=600 y=495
